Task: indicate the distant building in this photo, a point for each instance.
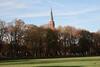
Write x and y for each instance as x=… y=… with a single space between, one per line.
x=51 y=22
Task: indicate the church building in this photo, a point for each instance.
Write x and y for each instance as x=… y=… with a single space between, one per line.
x=51 y=22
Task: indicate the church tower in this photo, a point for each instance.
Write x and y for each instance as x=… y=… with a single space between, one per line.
x=51 y=22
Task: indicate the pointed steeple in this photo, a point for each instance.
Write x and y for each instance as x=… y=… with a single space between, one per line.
x=51 y=15
x=51 y=22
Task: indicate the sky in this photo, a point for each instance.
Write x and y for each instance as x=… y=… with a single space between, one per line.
x=84 y=14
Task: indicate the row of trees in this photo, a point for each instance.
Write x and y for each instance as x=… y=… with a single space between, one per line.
x=20 y=40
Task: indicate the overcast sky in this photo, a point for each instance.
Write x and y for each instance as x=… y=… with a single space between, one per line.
x=83 y=14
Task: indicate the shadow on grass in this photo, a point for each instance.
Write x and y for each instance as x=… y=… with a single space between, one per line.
x=59 y=66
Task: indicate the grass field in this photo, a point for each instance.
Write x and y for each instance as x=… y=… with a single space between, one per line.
x=55 y=62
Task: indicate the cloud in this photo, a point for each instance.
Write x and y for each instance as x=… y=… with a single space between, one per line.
x=79 y=12
x=54 y=4
x=29 y=15
x=10 y=5
x=11 y=8
x=3 y=4
x=46 y=13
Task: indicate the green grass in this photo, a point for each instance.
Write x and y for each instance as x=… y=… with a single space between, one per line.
x=55 y=62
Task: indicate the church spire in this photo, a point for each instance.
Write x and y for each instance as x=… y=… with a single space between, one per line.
x=51 y=22
x=51 y=15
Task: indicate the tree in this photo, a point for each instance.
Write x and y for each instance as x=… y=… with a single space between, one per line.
x=96 y=43
x=16 y=32
x=52 y=43
x=2 y=29
x=85 y=42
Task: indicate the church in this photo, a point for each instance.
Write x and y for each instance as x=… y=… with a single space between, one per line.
x=51 y=24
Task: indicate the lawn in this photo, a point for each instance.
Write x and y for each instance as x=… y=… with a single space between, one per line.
x=55 y=62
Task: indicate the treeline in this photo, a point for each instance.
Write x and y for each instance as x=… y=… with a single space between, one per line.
x=20 y=40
